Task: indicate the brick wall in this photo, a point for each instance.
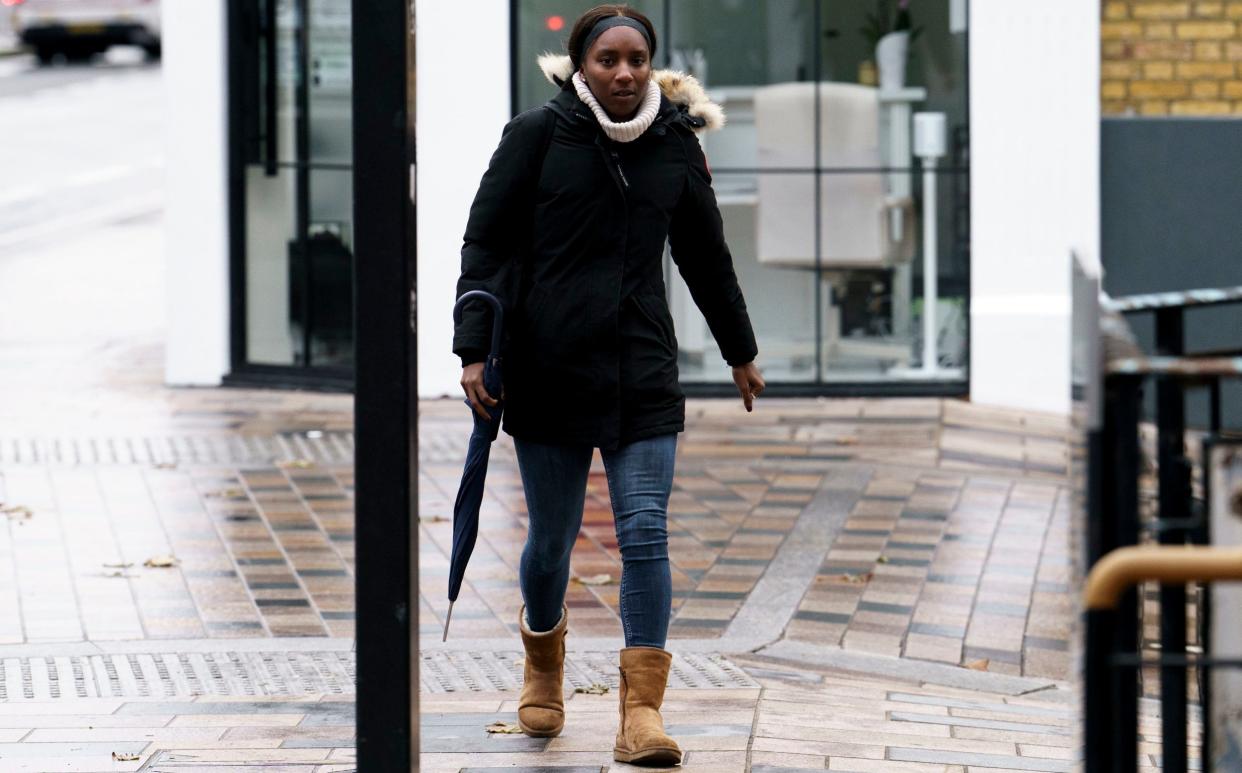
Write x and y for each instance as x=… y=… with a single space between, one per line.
x=1171 y=57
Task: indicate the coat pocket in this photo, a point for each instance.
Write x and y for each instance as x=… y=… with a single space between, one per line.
x=655 y=309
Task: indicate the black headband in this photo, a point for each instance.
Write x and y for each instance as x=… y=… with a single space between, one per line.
x=607 y=23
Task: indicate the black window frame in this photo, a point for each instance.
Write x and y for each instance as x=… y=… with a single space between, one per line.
x=242 y=372
x=958 y=182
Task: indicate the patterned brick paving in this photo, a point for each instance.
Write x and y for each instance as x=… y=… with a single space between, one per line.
x=176 y=582
x=942 y=568
x=932 y=561
x=958 y=556
x=909 y=535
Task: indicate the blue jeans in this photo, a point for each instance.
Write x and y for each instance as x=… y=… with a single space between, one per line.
x=640 y=477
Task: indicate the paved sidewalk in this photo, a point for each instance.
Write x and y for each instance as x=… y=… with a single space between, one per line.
x=859 y=585
x=822 y=587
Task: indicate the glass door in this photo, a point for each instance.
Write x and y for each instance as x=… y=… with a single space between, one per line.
x=292 y=189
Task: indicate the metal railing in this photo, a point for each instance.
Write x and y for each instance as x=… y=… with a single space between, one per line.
x=1123 y=550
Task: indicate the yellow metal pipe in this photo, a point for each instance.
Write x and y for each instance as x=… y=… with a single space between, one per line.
x=1124 y=567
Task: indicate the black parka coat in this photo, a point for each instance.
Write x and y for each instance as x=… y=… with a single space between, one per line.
x=591 y=355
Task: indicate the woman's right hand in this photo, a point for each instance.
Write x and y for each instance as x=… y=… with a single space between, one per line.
x=472 y=383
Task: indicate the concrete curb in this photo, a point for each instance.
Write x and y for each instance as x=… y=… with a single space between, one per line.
x=905 y=669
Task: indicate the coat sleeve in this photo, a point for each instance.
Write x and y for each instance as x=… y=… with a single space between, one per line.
x=497 y=232
x=696 y=239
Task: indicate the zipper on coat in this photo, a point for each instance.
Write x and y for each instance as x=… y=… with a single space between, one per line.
x=616 y=160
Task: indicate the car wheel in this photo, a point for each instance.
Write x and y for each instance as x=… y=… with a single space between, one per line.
x=45 y=55
x=153 y=52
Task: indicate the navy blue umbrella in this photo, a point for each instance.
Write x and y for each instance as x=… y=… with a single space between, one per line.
x=470 y=492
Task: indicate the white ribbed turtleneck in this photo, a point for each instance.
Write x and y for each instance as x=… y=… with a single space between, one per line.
x=626 y=131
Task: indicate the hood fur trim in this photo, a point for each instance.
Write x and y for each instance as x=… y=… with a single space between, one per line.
x=681 y=89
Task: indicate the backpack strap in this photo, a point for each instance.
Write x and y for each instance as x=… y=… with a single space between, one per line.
x=524 y=269
x=549 y=127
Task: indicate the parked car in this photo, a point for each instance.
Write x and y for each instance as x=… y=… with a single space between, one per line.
x=79 y=29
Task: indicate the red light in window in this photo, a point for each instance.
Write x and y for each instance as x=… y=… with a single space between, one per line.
x=11 y=3
x=556 y=23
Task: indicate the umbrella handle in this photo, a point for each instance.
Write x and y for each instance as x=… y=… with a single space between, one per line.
x=498 y=314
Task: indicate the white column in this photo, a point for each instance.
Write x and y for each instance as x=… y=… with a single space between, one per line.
x=463 y=103
x=1034 y=109
x=196 y=226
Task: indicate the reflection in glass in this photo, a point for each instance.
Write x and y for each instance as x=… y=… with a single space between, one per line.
x=329 y=242
x=271 y=197
x=821 y=195
x=781 y=303
x=299 y=186
x=727 y=43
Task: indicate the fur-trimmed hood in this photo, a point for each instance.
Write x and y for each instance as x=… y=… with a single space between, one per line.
x=679 y=88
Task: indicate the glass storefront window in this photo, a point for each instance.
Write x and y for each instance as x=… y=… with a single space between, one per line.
x=295 y=202
x=823 y=201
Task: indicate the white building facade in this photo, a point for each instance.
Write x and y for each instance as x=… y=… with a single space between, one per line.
x=833 y=209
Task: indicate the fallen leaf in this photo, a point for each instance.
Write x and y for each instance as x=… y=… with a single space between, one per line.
x=847 y=440
x=847 y=579
x=123 y=565
x=119 y=573
x=433 y=519
x=882 y=560
x=165 y=465
x=503 y=727
x=978 y=665
x=228 y=493
x=124 y=757
x=300 y=464
x=19 y=512
x=595 y=579
x=595 y=689
x=160 y=562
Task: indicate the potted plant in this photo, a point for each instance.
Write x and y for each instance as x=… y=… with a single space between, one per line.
x=890 y=31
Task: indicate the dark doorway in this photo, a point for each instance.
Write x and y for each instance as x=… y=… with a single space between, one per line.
x=291 y=192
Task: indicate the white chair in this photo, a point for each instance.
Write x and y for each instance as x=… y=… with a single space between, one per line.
x=858 y=228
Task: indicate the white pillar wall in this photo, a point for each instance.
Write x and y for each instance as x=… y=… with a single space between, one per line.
x=463 y=104
x=196 y=212
x=1035 y=123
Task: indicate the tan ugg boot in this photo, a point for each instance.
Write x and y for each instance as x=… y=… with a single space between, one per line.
x=641 y=736
x=541 y=704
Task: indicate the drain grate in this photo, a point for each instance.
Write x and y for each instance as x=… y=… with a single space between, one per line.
x=484 y=671
x=239 y=674
x=177 y=762
x=321 y=447
x=176 y=675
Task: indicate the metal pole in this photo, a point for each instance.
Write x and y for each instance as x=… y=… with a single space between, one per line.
x=1099 y=710
x=1112 y=734
x=386 y=399
x=1126 y=629
x=931 y=362
x=1174 y=499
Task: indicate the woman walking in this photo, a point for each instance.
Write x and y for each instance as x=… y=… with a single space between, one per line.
x=568 y=229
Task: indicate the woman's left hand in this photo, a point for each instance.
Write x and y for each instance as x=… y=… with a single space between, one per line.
x=749 y=383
